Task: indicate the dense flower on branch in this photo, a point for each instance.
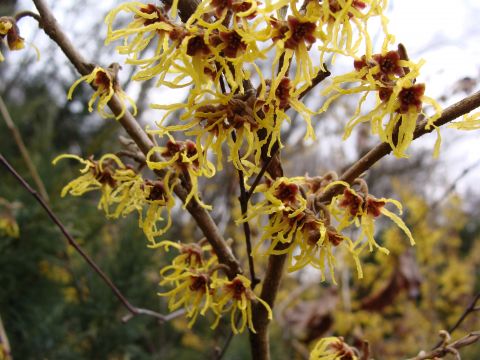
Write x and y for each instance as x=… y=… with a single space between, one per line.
x=215 y=119
x=236 y=111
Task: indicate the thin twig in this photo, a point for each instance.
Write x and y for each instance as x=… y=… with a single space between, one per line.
x=322 y=75
x=225 y=346
x=26 y=13
x=17 y=137
x=468 y=310
x=243 y=199
x=454 y=184
x=259 y=176
x=132 y=309
x=447 y=192
x=446 y=348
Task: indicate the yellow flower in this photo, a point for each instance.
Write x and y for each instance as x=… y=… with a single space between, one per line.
x=332 y=348
x=281 y=94
x=362 y=209
x=124 y=191
x=158 y=199
x=214 y=119
x=106 y=85
x=192 y=288
x=192 y=256
x=344 y=24
x=9 y=226
x=285 y=205
x=148 y=22
x=469 y=122
x=295 y=37
x=99 y=175
x=315 y=241
x=9 y=29
x=399 y=100
x=182 y=158
x=191 y=274
x=237 y=296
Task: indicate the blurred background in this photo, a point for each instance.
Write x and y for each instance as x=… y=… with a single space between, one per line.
x=52 y=306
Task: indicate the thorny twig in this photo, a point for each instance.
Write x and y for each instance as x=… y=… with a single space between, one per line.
x=134 y=311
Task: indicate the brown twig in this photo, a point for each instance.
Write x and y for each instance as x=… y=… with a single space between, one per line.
x=446 y=348
x=134 y=311
x=144 y=143
x=259 y=176
x=17 y=137
x=468 y=310
x=322 y=75
x=221 y=352
x=26 y=13
x=246 y=228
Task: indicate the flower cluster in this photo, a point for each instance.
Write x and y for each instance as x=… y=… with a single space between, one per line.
x=199 y=286
x=215 y=119
x=399 y=99
x=308 y=230
x=297 y=226
x=361 y=209
x=193 y=52
x=124 y=191
x=10 y=31
x=221 y=44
